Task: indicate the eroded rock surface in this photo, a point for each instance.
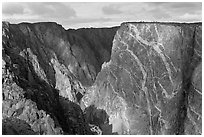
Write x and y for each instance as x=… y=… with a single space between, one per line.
x=149 y=83
x=13 y=126
x=152 y=84
x=43 y=78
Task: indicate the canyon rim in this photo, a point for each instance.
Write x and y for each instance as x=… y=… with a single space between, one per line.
x=127 y=78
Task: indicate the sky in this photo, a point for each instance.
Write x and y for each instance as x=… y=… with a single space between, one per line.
x=100 y=14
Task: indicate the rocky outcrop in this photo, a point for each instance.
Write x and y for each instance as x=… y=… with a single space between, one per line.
x=152 y=84
x=27 y=104
x=16 y=127
x=43 y=78
x=143 y=79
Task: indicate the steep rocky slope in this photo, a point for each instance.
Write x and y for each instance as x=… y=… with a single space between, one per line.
x=53 y=80
x=152 y=84
x=44 y=71
x=98 y=40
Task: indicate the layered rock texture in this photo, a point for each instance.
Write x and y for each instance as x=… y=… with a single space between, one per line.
x=141 y=78
x=45 y=71
x=152 y=84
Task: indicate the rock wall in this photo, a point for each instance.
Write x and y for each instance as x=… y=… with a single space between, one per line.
x=97 y=40
x=141 y=78
x=43 y=77
x=152 y=84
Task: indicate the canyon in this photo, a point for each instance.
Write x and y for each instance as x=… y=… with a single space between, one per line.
x=136 y=78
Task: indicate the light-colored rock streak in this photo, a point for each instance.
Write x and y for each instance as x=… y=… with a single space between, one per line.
x=193 y=121
x=197 y=52
x=165 y=92
x=197 y=42
x=194 y=87
x=34 y=60
x=176 y=69
x=155 y=47
x=129 y=73
x=194 y=110
x=144 y=88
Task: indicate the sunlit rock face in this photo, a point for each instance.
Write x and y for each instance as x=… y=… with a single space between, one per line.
x=152 y=84
x=64 y=59
x=149 y=83
x=43 y=77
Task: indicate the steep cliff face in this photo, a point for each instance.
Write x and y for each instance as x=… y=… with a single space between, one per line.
x=152 y=84
x=90 y=48
x=99 y=40
x=149 y=83
x=41 y=78
x=193 y=122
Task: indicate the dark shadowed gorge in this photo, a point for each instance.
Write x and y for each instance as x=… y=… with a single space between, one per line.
x=139 y=78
